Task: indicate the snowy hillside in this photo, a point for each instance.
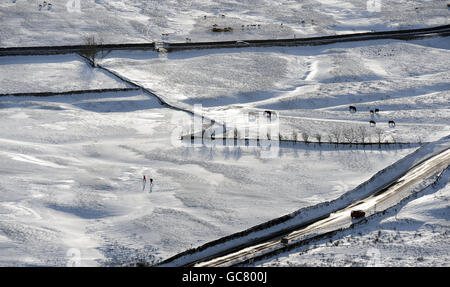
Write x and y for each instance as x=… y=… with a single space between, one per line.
x=413 y=234
x=71 y=178
x=311 y=87
x=71 y=165
x=23 y=23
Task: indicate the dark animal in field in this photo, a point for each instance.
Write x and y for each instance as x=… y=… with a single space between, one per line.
x=371 y=113
x=377 y=111
x=352 y=109
x=391 y=124
x=270 y=115
x=372 y=123
x=226 y=29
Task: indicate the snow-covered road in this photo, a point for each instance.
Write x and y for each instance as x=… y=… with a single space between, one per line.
x=341 y=219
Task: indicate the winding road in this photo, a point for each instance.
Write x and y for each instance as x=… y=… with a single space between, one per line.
x=340 y=219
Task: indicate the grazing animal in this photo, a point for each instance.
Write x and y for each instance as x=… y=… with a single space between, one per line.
x=391 y=124
x=188 y=39
x=376 y=111
x=226 y=29
x=371 y=113
x=268 y=114
x=372 y=123
x=352 y=109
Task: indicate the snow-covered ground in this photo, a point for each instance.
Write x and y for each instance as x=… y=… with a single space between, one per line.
x=27 y=74
x=415 y=233
x=71 y=178
x=71 y=165
x=23 y=23
x=310 y=87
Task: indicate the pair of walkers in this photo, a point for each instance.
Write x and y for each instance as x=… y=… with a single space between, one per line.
x=144 y=183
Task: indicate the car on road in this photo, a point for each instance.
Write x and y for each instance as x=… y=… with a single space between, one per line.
x=284 y=241
x=357 y=214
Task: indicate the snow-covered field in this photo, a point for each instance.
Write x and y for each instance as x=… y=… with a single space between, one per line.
x=62 y=73
x=311 y=87
x=23 y=23
x=71 y=166
x=416 y=233
x=71 y=178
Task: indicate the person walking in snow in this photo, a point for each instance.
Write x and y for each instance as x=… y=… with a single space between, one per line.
x=151 y=184
x=144 y=182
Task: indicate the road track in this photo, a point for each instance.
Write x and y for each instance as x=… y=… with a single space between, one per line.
x=341 y=218
x=409 y=34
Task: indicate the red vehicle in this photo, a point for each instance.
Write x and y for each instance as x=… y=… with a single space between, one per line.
x=357 y=213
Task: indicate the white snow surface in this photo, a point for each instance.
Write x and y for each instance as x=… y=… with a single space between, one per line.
x=415 y=233
x=60 y=73
x=310 y=87
x=71 y=178
x=23 y=23
x=71 y=166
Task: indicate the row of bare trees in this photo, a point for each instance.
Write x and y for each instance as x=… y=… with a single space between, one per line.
x=349 y=135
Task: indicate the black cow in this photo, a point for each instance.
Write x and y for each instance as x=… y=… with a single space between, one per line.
x=372 y=123
x=391 y=124
x=352 y=109
x=268 y=114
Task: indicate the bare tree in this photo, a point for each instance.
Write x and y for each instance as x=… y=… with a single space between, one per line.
x=330 y=138
x=294 y=136
x=91 y=48
x=395 y=138
x=337 y=134
x=318 y=138
x=379 y=135
x=349 y=135
x=305 y=137
x=362 y=134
